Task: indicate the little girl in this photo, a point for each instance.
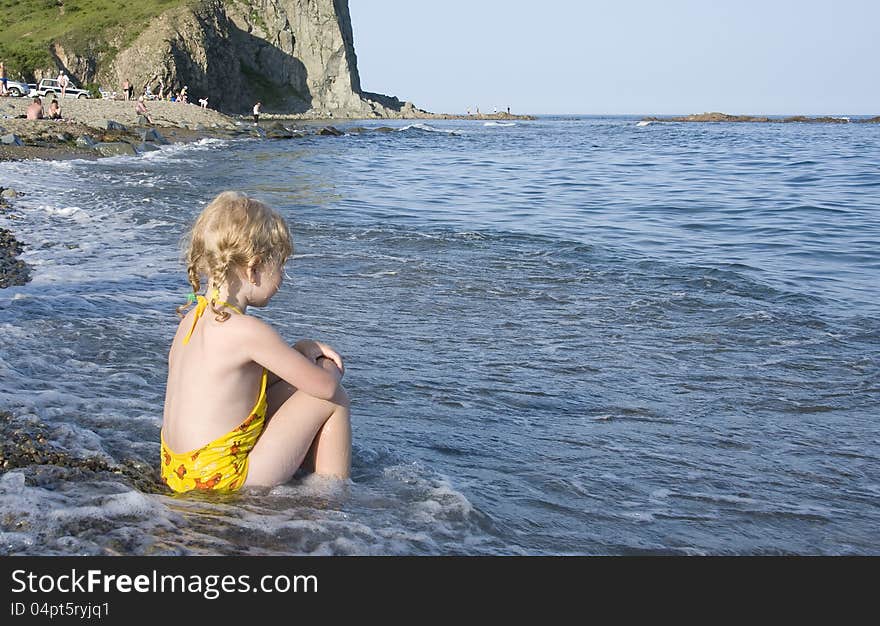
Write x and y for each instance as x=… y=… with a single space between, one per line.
x=243 y=408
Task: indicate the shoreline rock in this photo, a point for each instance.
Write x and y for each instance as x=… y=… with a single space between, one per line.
x=90 y=125
x=725 y=117
x=13 y=272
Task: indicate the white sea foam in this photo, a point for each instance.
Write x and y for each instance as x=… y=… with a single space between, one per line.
x=500 y=124
x=73 y=211
x=429 y=129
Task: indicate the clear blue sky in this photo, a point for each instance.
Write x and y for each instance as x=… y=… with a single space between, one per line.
x=624 y=56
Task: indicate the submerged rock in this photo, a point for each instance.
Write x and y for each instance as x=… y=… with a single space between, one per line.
x=13 y=272
x=27 y=444
x=115 y=148
x=330 y=131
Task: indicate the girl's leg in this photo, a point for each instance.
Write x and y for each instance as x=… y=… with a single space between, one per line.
x=300 y=424
x=277 y=394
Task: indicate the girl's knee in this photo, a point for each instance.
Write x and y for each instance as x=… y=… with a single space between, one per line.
x=341 y=398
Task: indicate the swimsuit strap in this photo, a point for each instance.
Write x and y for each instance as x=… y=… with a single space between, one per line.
x=200 y=310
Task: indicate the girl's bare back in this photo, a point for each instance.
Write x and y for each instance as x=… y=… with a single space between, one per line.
x=212 y=387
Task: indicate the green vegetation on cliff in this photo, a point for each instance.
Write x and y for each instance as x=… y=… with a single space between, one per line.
x=28 y=28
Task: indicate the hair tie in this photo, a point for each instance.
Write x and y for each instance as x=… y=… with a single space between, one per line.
x=190 y=298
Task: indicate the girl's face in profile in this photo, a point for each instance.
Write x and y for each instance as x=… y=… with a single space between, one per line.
x=268 y=279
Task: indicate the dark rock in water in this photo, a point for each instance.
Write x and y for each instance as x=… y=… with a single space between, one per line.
x=11 y=140
x=384 y=129
x=115 y=148
x=357 y=130
x=25 y=444
x=330 y=131
x=13 y=272
x=821 y=120
x=279 y=133
x=146 y=147
x=724 y=117
x=873 y=120
x=259 y=132
x=8 y=192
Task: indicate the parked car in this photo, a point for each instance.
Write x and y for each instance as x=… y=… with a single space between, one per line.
x=50 y=88
x=17 y=89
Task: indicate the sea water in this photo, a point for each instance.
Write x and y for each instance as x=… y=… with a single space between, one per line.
x=564 y=336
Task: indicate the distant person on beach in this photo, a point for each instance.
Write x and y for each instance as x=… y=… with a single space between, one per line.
x=242 y=407
x=181 y=97
x=125 y=89
x=63 y=82
x=35 y=110
x=54 y=110
x=141 y=110
x=3 y=78
x=257 y=112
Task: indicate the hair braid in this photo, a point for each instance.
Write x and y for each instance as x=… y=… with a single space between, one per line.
x=192 y=273
x=219 y=276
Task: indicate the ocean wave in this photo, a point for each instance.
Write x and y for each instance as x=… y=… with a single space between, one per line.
x=428 y=129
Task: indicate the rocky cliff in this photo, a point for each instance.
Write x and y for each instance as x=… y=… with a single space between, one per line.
x=294 y=56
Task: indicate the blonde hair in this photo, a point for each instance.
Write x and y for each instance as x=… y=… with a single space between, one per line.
x=233 y=231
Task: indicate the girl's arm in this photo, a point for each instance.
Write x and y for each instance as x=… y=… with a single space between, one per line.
x=313 y=350
x=264 y=345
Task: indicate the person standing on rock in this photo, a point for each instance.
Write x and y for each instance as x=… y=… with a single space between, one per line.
x=257 y=112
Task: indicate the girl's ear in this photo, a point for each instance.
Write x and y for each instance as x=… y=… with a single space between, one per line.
x=253 y=269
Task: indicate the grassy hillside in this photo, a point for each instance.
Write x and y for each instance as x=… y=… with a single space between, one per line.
x=28 y=27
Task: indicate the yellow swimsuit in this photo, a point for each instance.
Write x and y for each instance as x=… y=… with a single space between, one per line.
x=221 y=465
